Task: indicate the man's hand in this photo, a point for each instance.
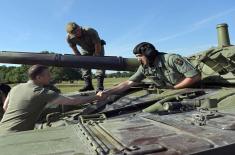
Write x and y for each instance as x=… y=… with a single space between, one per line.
x=78 y=54
x=75 y=50
x=97 y=54
x=102 y=95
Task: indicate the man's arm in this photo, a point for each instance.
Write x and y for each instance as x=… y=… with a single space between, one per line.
x=188 y=81
x=186 y=68
x=133 y=80
x=73 y=46
x=97 y=49
x=117 y=89
x=75 y=50
x=6 y=102
x=64 y=100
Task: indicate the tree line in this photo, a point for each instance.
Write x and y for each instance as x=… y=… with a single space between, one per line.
x=18 y=74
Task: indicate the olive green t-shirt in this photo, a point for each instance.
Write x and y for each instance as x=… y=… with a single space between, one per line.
x=26 y=102
x=87 y=40
x=168 y=70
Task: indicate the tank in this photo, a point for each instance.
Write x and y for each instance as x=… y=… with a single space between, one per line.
x=142 y=120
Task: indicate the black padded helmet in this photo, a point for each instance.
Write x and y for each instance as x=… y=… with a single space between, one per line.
x=146 y=49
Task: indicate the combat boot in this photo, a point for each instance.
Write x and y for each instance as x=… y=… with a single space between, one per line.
x=100 y=84
x=88 y=85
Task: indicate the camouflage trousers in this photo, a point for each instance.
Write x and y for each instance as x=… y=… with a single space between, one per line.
x=86 y=73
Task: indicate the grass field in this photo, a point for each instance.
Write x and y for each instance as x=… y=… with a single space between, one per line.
x=67 y=87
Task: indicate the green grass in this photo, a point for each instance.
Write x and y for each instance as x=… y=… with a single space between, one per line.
x=67 y=87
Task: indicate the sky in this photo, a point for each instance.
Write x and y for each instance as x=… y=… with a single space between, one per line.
x=174 y=26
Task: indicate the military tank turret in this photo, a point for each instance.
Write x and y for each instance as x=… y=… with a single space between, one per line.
x=141 y=120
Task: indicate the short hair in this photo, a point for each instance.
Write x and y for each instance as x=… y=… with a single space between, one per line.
x=36 y=70
x=71 y=27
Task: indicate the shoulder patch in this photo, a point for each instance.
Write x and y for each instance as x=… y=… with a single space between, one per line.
x=178 y=61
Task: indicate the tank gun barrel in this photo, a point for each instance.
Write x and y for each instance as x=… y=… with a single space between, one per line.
x=68 y=60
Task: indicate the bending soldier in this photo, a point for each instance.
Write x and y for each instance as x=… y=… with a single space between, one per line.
x=91 y=45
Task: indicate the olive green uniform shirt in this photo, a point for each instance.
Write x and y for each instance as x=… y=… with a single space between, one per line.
x=26 y=102
x=168 y=70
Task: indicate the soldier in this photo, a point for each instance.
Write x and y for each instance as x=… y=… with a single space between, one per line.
x=164 y=70
x=26 y=101
x=91 y=45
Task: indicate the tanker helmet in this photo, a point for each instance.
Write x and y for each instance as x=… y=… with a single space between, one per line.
x=146 y=49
